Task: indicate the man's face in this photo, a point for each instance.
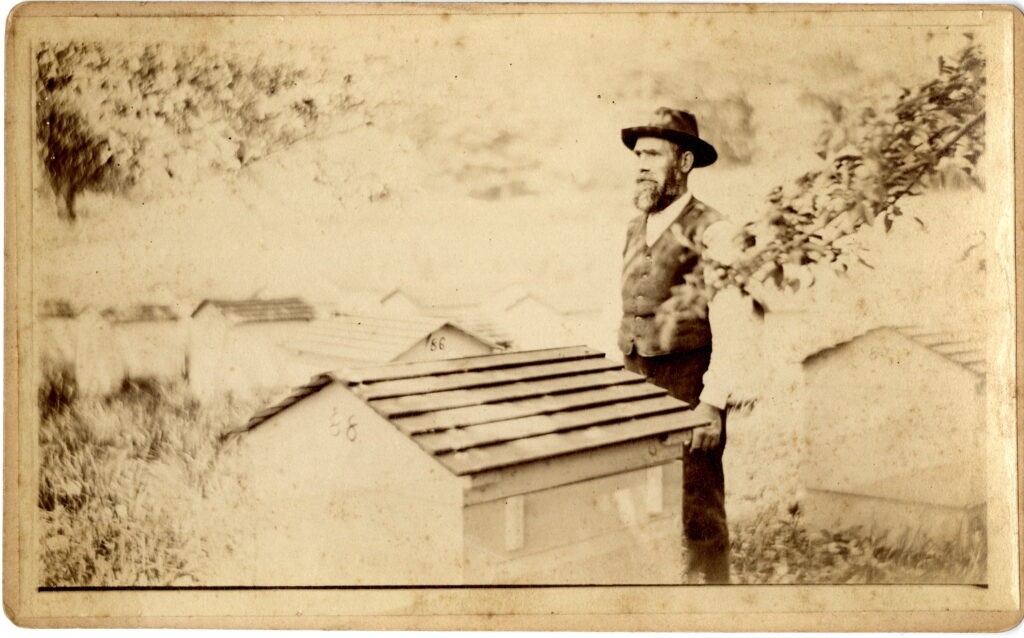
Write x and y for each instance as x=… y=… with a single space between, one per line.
x=661 y=173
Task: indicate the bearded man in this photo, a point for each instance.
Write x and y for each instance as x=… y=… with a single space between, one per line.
x=666 y=331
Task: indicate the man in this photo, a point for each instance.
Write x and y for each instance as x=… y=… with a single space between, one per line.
x=665 y=333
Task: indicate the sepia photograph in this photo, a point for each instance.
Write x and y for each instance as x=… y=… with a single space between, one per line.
x=416 y=310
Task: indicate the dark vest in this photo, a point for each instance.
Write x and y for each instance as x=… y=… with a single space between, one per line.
x=650 y=326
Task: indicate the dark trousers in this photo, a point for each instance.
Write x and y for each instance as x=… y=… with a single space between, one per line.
x=705 y=531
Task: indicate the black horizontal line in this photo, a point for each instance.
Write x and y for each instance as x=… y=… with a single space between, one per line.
x=89 y=588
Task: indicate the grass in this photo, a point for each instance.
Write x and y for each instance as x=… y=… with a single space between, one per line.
x=128 y=484
x=774 y=549
x=136 y=489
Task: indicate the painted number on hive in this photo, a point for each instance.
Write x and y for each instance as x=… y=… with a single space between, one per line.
x=337 y=425
x=435 y=343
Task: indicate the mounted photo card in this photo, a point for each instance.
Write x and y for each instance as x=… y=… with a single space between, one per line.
x=636 y=317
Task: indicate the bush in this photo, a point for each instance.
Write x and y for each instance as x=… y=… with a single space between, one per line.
x=57 y=390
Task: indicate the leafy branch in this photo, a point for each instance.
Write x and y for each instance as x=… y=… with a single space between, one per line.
x=871 y=159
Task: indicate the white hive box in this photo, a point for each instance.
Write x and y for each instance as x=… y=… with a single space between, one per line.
x=547 y=466
x=234 y=344
x=895 y=426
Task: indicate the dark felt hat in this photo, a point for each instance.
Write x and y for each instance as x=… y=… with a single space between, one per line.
x=675 y=126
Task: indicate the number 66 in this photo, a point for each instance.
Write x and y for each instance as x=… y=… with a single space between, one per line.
x=350 y=432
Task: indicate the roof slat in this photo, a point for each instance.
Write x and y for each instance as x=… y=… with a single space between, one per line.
x=483 y=378
x=479 y=414
x=337 y=357
x=419 y=403
x=288 y=309
x=952 y=349
x=963 y=346
x=548 y=445
x=356 y=340
x=962 y=334
x=467 y=364
x=500 y=431
x=372 y=339
x=335 y=331
x=377 y=349
x=355 y=333
x=383 y=320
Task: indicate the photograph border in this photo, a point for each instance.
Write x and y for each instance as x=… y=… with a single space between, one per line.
x=424 y=607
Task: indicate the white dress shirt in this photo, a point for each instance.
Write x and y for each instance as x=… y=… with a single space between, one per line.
x=658 y=223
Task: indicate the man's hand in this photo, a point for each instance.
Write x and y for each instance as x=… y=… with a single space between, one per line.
x=708 y=436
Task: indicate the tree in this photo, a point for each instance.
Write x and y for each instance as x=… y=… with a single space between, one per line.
x=108 y=116
x=871 y=158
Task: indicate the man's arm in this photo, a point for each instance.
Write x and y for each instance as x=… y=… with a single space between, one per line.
x=730 y=315
x=735 y=336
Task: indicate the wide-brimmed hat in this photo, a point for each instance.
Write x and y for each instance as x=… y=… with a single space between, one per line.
x=675 y=126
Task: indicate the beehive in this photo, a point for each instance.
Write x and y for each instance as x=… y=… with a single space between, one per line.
x=367 y=339
x=233 y=344
x=893 y=399
x=546 y=466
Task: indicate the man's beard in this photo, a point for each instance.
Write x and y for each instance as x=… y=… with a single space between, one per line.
x=649 y=197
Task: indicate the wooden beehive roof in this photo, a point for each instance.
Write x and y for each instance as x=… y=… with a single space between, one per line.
x=58 y=309
x=481 y=323
x=370 y=338
x=485 y=412
x=963 y=346
x=257 y=310
x=467 y=309
x=139 y=313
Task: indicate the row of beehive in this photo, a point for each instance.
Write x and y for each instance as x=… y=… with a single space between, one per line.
x=243 y=345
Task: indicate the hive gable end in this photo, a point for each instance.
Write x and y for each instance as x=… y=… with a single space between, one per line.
x=328 y=472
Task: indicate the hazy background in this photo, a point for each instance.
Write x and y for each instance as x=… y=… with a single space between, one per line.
x=486 y=152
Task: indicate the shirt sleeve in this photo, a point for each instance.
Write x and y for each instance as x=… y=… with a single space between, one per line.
x=735 y=332
x=726 y=314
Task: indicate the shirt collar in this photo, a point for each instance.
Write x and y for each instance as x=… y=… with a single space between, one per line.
x=675 y=209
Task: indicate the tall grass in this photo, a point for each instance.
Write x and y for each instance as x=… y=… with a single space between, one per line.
x=127 y=484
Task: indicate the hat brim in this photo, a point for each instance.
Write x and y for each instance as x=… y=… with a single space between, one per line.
x=704 y=154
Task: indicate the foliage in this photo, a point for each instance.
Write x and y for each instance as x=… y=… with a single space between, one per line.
x=108 y=115
x=871 y=157
x=126 y=487
x=781 y=550
x=57 y=389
